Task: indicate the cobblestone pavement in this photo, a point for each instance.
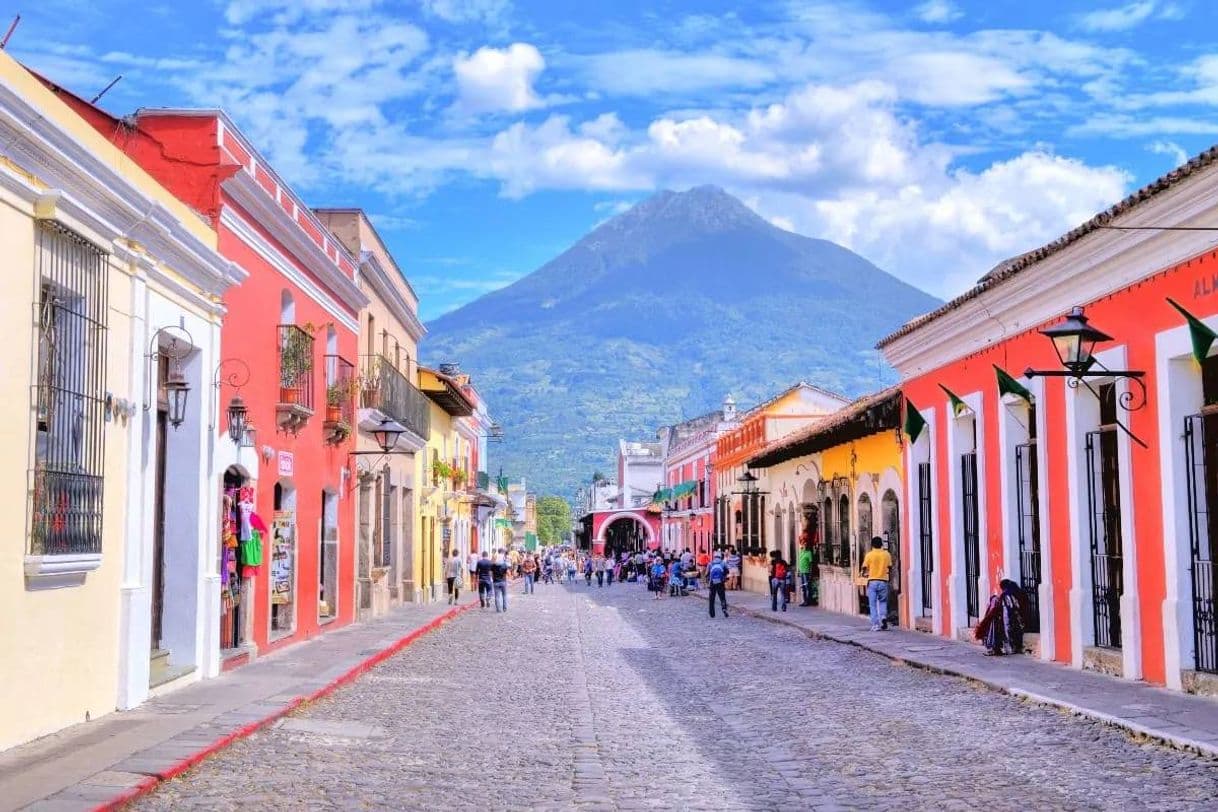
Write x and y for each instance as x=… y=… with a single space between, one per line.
x=606 y=699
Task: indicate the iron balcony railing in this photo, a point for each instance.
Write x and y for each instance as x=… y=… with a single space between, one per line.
x=295 y=366
x=386 y=389
x=340 y=389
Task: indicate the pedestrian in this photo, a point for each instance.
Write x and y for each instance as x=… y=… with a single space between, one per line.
x=483 y=574
x=612 y=570
x=529 y=568
x=472 y=564
x=716 y=577
x=655 y=581
x=571 y=567
x=675 y=582
x=877 y=564
x=733 y=568
x=588 y=570
x=703 y=562
x=454 y=574
x=1001 y=628
x=808 y=570
x=687 y=560
x=598 y=565
x=778 y=581
x=499 y=576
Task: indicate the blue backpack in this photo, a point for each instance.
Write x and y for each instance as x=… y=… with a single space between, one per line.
x=717 y=573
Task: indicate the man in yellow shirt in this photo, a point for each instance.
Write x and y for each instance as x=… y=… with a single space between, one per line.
x=876 y=565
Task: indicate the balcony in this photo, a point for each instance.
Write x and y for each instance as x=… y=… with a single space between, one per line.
x=295 y=405
x=387 y=390
x=340 y=399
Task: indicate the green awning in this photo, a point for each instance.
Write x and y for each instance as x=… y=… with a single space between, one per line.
x=684 y=489
x=530 y=541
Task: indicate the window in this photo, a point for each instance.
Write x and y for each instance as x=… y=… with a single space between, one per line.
x=830 y=549
x=972 y=537
x=890 y=519
x=926 y=541
x=1027 y=498
x=865 y=527
x=843 y=539
x=1201 y=458
x=69 y=445
x=1104 y=502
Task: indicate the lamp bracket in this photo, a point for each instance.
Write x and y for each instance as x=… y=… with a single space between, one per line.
x=236 y=378
x=172 y=351
x=1131 y=400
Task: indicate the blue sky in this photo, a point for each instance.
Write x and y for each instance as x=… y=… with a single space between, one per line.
x=485 y=136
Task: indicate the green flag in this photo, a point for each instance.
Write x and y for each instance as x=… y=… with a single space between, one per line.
x=1009 y=386
x=914 y=421
x=1201 y=335
x=959 y=407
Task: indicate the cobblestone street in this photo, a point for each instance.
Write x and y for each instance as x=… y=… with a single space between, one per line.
x=604 y=698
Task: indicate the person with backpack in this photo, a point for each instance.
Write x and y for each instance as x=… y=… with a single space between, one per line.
x=529 y=568
x=716 y=576
x=484 y=573
x=778 y=580
x=808 y=571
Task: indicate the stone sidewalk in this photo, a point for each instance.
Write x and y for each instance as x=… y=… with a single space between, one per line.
x=1177 y=719
x=107 y=762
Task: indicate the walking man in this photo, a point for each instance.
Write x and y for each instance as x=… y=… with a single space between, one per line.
x=599 y=565
x=483 y=572
x=877 y=564
x=454 y=573
x=499 y=576
x=716 y=576
x=778 y=581
x=529 y=568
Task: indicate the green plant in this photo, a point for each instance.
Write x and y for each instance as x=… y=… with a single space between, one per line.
x=441 y=469
x=295 y=357
x=340 y=392
x=459 y=475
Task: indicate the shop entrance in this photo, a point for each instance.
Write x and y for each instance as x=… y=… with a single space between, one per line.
x=283 y=562
x=238 y=505
x=327 y=559
x=625 y=535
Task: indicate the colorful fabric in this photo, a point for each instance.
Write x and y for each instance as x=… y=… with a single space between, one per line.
x=250 y=551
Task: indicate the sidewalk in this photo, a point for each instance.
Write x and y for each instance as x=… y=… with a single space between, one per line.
x=1180 y=720
x=102 y=764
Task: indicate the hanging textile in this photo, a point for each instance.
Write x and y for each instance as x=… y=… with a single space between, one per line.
x=914 y=421
x=959 y=407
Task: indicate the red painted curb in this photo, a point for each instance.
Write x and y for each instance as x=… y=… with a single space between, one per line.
x=152 y=781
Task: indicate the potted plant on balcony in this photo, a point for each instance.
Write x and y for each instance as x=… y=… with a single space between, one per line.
x=441 y=470
x=458 y=476
x=295 y=361
x=337 y=394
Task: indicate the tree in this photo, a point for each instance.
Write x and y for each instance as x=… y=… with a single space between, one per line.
x=553 y=519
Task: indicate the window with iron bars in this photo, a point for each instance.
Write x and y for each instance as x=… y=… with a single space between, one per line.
x=69 y=393
x=1201 y=460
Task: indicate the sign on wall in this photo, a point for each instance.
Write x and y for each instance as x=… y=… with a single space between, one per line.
x=287 y=463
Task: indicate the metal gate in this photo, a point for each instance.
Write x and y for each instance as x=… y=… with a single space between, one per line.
x=972 y=539
x=1027 y=493
x=1104 y=501
x=1201 y=458
x=925 y=537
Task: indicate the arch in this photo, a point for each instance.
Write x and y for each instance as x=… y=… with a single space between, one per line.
x=777 y=529
x=792 y=532
x=600 y=535
x=843 y=533
x=287 y=307
x=866 y=525
x=809 y=492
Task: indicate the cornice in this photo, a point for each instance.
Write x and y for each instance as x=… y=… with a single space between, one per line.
x=1103 y=262
x=390 y=296
x=66 y=179
x=252 y=198
x=243 y=229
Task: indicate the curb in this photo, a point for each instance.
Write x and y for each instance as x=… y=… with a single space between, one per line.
x=151 y=782
x=1159 y=736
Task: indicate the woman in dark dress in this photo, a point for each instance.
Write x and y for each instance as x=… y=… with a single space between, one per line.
x=1001 y=628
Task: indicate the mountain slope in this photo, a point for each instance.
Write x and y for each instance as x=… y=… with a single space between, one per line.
x=656 y=315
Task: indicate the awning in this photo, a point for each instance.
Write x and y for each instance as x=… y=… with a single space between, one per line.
x=685 y=489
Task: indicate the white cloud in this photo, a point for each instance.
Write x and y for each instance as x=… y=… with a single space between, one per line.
x=498 y=79
x=1120 y=18
x=938 y=11
x=1177 y=153
x=646 y=71
x=468 y=11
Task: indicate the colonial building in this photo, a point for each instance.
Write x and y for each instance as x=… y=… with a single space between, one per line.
x=741 y=504
x=296 y=318
x=444 y=471
x=1094 y=486
x=838 y=483
x=112 y=298
x=381 y=382
x=688 y=495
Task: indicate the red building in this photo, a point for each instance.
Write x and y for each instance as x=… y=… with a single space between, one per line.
x=1097 y=492
x=290 y=342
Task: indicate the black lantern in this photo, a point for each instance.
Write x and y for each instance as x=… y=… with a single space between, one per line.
x=237 y=414
x=748 y=482
x=176 y=392
x=1074 y=340
x=387 y=434
x=249 y=436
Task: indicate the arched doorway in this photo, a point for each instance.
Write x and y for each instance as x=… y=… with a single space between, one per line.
x=890 y=523
x=625 y=533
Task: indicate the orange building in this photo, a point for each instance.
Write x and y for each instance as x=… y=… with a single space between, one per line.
x=1097 y=493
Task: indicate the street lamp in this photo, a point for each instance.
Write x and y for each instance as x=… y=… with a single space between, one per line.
x=176 y=392
x=750 y=495
x=1074 y=341
x=387 y=434
x=237 y=418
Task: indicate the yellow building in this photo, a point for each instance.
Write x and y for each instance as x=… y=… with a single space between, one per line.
x=445 y=469
x=387 y=486
x=840 y=482
x=111 y=296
